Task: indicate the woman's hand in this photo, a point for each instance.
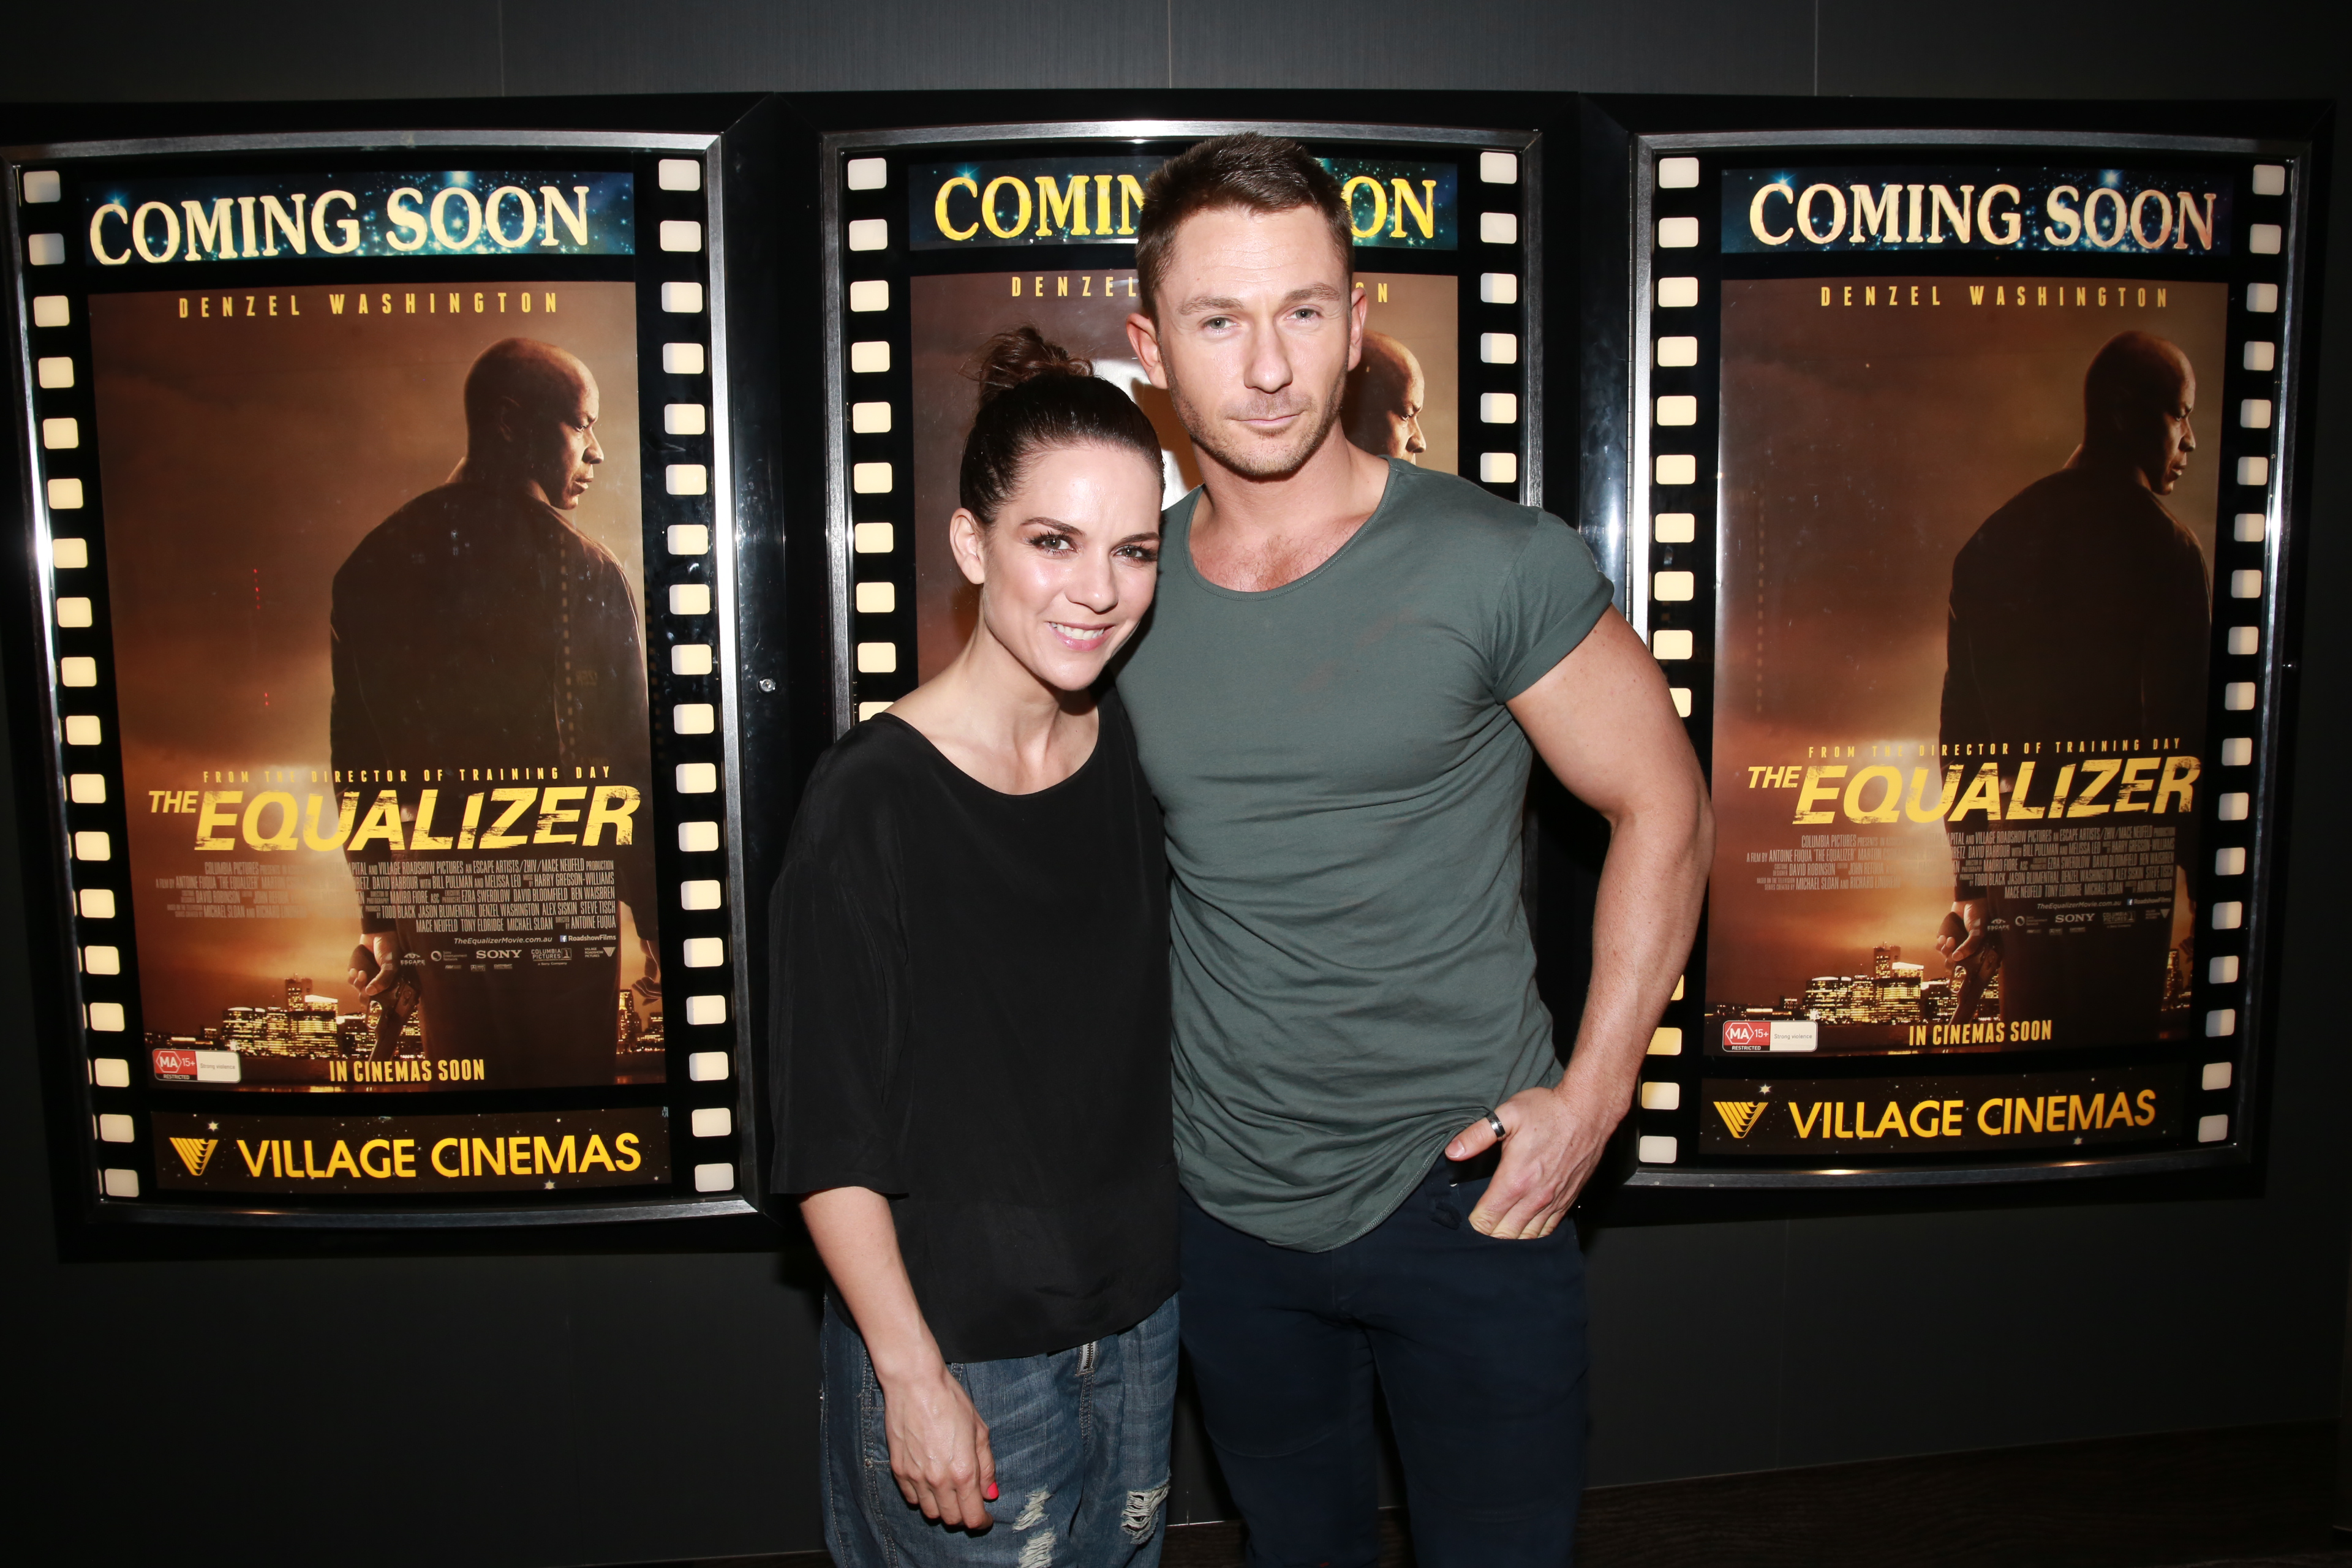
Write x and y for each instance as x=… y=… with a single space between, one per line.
x=938 y=1445
x=938 y=1448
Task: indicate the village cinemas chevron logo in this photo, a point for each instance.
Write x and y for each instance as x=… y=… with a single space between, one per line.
x=195 y=1153
x=1740 y=1116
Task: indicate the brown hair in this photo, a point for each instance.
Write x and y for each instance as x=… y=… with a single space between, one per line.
x=1033 y=397
x=1257 y=173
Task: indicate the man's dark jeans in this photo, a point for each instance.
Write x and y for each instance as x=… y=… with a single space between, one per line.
x=1478 y=1346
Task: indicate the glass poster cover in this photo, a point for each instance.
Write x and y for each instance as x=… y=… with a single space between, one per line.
x=1964 y=473
x=372 y=497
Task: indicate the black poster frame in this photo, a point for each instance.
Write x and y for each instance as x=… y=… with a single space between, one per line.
x=696 y=167
x=1667 y=1171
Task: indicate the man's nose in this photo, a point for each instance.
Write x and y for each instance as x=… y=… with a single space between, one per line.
x=1415 y=441
x=1269 y=362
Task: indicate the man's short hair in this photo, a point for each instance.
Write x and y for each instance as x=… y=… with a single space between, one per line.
x=1257 y=173
x=2133 y=373
x=536 y=377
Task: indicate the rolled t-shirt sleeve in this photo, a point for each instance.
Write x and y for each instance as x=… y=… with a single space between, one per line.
x=1552 y=596
x=841 y=980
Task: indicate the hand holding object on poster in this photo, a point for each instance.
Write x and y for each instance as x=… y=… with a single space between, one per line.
x=375 y=964
x=1967 y=941
x=1603 y=723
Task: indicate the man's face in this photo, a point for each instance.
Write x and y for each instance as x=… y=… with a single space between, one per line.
x=1385 y=398
x=556 y=441
x=1258 y=326
x=2164 y=438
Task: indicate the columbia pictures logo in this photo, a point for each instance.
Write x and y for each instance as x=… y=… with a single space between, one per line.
x=195 y=1153
x=1740 y=1116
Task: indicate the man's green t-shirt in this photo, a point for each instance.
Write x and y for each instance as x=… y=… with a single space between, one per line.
x=1354 y=980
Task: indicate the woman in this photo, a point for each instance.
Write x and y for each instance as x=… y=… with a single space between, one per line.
x=973 y=1032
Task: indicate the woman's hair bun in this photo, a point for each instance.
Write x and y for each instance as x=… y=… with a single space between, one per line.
x=1034 y=395
x=1018 y=355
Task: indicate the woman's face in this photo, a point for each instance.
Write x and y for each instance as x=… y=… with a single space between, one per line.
x=1068 y=569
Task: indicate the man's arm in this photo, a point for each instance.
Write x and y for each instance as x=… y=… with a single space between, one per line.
x=1964 y=720
x=617 y=729
x=1604 y=724
x=354 y=743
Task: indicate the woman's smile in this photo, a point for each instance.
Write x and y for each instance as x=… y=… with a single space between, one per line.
x=1083 y=639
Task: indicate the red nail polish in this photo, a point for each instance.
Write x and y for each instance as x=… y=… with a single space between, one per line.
x=991 y=1492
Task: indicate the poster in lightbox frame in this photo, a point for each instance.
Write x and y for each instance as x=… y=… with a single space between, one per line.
x=440 y=238
x=929 y=233
x=1789 y=398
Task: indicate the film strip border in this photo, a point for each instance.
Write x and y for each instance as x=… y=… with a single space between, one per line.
x=1675 y=388
x=688 y=620
x=873 y=421
x=871 y=482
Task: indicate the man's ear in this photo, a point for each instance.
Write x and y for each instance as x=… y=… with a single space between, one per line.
x=507 y=422
x=1143 y=336
x=964 y=537
x=1360 y=308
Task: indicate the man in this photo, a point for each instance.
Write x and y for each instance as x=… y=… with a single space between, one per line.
x=1349 y=661
x=2078 y=629
x=487 y=652
x=1386 y=391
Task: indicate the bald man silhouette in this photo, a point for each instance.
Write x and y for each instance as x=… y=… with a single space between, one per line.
x=1380 y=408
x=482 y=642
x=2079 y=618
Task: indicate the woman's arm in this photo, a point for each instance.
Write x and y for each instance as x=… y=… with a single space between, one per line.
x=939 y=1443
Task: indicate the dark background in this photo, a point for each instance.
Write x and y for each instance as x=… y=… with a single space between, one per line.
x=546 y=1410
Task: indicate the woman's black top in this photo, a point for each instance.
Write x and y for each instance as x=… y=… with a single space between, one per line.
x=971 y=1016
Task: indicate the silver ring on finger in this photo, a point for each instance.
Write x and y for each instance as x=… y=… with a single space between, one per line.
x=1495 y=1122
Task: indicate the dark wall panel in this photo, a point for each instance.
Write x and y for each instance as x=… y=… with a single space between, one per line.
x=815 y=46
x=1502 y=44
x=114 y=51
x=1693 y=46
x=547 y=1410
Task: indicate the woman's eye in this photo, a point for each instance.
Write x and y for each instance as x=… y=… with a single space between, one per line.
x=1052 y=543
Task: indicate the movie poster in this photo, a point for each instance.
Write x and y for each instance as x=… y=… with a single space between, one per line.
x=375 y=564
x=1965 y=576
x=1403 y=400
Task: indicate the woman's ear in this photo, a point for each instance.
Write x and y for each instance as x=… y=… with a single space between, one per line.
x=966 y=537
